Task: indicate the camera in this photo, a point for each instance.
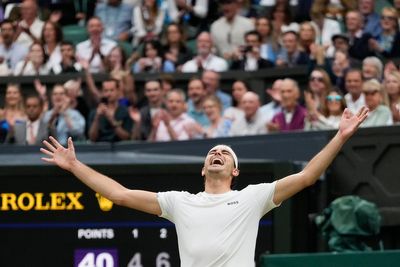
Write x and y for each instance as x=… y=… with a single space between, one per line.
x=246 y=49
x=104 y=100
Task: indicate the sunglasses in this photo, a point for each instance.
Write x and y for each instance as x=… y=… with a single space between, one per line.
x=332 y=98
x=388 y=18
x=319 y=79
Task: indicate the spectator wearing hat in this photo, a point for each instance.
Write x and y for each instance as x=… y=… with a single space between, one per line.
x=228 y=31
x=376 y=101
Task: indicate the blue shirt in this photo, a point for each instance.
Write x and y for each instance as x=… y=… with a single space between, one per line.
x=14 y=54
x=116 y=19
x=61 y=129
x=198 y=115
x=225 y=99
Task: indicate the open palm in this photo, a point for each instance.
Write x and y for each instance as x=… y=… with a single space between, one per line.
x=59 y=155
x=349 y=122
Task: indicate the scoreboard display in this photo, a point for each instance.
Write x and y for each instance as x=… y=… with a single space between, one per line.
x=49 y=218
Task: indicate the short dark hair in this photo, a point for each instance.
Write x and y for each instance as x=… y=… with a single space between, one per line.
x=111 y=80
x=32 y=95
x=69 y=43
x=253 y=32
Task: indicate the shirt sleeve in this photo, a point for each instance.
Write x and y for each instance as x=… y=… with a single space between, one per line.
x=167 y=202
x=264 y=195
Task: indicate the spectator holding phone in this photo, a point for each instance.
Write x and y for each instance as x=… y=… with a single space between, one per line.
x=109 y=122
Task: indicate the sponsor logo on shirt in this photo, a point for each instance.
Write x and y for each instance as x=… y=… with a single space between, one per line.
x=232 y=203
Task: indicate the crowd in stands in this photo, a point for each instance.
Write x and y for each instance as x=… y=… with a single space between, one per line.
x=349 y=47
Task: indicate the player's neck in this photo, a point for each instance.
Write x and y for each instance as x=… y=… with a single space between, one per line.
x=217 y=186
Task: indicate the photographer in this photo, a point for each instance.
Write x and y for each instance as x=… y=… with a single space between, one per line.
x=248 y=57
x=109 y=122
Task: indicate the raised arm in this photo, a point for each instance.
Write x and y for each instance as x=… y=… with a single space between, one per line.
x=290 y=185
x=66 y=159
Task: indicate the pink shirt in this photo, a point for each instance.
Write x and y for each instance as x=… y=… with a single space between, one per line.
x=179 y=125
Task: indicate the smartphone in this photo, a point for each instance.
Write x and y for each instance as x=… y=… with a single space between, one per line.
x=104 y=100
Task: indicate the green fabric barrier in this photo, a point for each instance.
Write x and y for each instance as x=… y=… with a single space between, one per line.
x=388 y=258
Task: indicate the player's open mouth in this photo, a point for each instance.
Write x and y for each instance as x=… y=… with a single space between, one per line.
x=217 y=161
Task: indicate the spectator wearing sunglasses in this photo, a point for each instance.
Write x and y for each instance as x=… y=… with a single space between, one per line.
x=376 y=101
x=386 y=44
x=329 y=117
x=319 y=85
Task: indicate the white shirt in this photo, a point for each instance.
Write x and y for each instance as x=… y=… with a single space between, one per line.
x=36 y=30
x=54 y=57
x=229 y=36
x=29 y=69
x=84 y=50
x=217 y=229
x=212 y=62
x=354 y=106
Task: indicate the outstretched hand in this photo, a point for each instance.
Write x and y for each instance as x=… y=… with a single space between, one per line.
x=59 y=155
x=349 y=122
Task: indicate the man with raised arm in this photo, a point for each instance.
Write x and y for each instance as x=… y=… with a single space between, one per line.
x=216 y=227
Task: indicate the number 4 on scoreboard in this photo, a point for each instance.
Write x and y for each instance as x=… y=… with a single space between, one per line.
x=162 y=260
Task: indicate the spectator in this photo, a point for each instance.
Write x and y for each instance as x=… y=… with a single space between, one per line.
x=175 y=49
x=197 y=92
x=340 y=65
x=248 y=57
x=117 y=19
x=355 y=98
x=292 y=116
x=119 y=69
x=192 y=14
x=62 y=120
x=326 y=28
x=358 y=39
x=30 y=27
x=96 y=48
x=51 y=39
x=148 y=21
x=76 y=99
x=341 y=42
x=75 y=12
x=290 y=54
x=167 y=83
x=110 y=121
x=269 y=45
x=391 y=86
x=307 y=36
x=10 y=52
x=239 y=88
x=228 y=31
x=247 y=9
x=319 y=85
x=34 y=130
x=252 y=123
x=68 y=63
x=34 y=64
x=205 y=59
x=371 y=18
x=219 y=126
x=173 y=123
x=151 y=60
x=375 y=100
x=386 y=44
x=282 y=19
x=14 y=109
x=273 y=107
x=330 y=116
x=211 y=80
x=155 y=99
x=372 y=68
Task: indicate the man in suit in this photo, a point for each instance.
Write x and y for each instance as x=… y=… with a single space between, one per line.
x=248 y=56
x=34 y=130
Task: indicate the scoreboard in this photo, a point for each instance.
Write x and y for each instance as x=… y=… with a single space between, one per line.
x=49 y=218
